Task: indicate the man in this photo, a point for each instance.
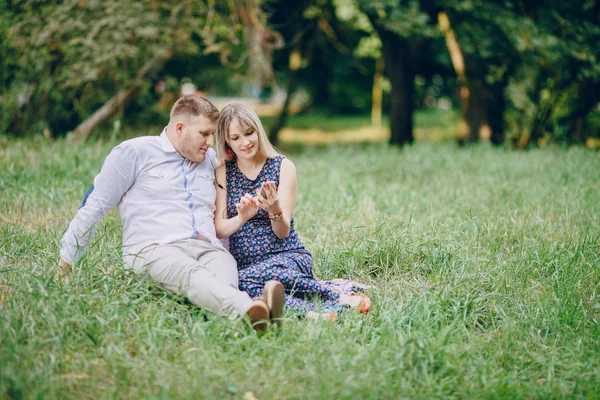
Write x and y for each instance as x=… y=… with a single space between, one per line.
x=163 y=187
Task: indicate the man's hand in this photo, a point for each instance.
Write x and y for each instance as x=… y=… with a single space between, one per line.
x=246 y=208
x=64 y=271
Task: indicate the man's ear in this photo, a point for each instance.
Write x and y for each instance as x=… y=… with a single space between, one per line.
x=179 y=127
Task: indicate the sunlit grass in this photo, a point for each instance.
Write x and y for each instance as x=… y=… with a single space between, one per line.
x=322 y=128
x=485 y=264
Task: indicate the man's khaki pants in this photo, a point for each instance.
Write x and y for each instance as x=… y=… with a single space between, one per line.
x=207 y=276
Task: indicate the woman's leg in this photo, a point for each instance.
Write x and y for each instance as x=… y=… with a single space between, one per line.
x=296 y=284
x=252 y=283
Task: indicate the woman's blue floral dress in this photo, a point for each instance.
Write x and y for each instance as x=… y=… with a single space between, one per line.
x=262 y=256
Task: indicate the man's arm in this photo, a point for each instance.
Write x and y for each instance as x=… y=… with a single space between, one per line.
x=115 y=178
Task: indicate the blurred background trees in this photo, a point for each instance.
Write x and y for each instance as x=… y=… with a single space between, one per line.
x=517 y=73
x=63 y=61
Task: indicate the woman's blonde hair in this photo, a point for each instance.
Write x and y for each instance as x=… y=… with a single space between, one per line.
x=244 y=117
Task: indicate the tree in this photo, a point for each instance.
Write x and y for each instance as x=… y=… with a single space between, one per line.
x=75 y=55
x=481 y=42
x=562 y=59
x=318 y=57
x=297 y=22
x=368 y=47
x=403 y=28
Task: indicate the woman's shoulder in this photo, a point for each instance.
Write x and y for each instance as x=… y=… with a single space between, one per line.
x=287 y=169
x=220 y=163
x=287 y=163
x=220 y=168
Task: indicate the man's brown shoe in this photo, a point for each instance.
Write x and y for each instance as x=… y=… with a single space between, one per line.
x=258 y=315
x=274 y=297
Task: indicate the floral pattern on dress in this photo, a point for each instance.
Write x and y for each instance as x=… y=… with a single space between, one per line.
x=262 y=256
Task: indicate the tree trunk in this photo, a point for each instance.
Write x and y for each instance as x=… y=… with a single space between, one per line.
x=294 y=66
x=586 y=101
x=482 y=113
x=542 y=118
x=398 y=56
x=483 y=105
x=470 y=95
x=456 y=54
x=377 y=104
x=122 y=97
x=474 y=113
x=540 y=123
x=545 y=107
x=496 y=109
x=321 y=62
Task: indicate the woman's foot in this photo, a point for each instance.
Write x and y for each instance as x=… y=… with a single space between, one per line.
x=274 y=297
x=356 y=300
x=258 y=315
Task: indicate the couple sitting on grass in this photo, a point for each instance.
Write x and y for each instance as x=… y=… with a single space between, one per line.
x=166 y=188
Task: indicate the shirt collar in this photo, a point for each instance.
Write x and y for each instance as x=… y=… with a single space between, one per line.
x=165 y=142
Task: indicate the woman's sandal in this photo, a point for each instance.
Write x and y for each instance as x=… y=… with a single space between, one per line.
x=365 y=304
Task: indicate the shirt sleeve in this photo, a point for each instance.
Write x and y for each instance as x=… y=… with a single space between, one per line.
x=115 y=178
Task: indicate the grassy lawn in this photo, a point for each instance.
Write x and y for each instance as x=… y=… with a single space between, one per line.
x=485 y=264
x=425 y=118
x=322 y=128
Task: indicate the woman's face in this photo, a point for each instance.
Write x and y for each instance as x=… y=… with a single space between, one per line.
x=243 y=141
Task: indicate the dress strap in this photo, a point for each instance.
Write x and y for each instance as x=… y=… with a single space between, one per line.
x=273 y=168
x=229 y=170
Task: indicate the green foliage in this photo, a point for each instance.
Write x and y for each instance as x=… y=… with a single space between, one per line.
x=61 y=60
x=560 y=66
x=369 y=45
x=71 y=56
x=486 y=32
x=406 y=18
x=484 y=261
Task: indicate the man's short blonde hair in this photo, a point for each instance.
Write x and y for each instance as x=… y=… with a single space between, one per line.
x=194 y=105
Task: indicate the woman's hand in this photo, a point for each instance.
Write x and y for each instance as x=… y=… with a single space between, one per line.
x=246 y=208
x=270 y=202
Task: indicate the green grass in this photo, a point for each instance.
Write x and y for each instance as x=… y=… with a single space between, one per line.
x=485 y=261
x=324 y=120
x=424 y=118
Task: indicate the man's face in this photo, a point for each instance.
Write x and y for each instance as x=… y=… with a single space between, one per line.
x=195 y=137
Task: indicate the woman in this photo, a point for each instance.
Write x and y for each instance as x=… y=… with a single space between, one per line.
x=256 y=196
